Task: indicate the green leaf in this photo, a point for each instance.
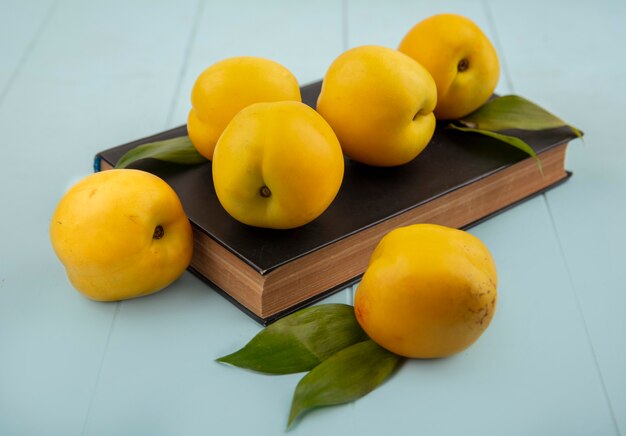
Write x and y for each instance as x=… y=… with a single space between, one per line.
x=511 y=140
x=301 y=341
x=513 y=112
x=176 y=150
x=346 y=376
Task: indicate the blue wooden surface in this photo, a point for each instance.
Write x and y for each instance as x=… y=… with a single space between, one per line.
x=77 y=77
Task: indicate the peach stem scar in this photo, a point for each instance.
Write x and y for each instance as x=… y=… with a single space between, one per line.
x=265 y=191
x=158 y=232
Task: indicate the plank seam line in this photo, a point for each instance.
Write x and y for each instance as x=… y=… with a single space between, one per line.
x=350 y=290
x=344 y=24
x=105 y=350
x=27 y=52
x=582 y=315
x=186 y=56
x=494 y=30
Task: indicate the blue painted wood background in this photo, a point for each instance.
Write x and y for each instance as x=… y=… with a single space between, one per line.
x=80 y=76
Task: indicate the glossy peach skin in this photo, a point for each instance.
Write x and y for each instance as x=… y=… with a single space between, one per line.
x=277 y=165
x=380 y=104
x=429 y=291
x=460 y=58
x=228 y=86
x=121 y=234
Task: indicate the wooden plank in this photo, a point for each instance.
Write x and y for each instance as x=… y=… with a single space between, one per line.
x=535 y=353
x=21 y=24
x=159 y=376
x=100 y=73
x=568 y=62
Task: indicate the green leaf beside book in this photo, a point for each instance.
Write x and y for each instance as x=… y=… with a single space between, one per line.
x=301 y=341
x=326 y=340
x=511 y=140
x=513 y=112
x=176 y=150
x=510 y=112
x=346 y=376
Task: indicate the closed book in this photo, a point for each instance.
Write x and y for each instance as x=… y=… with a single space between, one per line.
x=459 y=180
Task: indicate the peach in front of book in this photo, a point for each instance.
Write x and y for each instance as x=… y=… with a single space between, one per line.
x=429 y=291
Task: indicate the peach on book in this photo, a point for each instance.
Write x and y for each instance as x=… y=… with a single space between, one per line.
x=277 y=165
x=460 y=58
x=380 y=103
x=228 y=86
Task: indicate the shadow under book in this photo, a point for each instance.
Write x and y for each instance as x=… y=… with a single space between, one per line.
x=457 y=181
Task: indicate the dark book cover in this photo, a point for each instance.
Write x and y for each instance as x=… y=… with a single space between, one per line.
x=368 y=195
